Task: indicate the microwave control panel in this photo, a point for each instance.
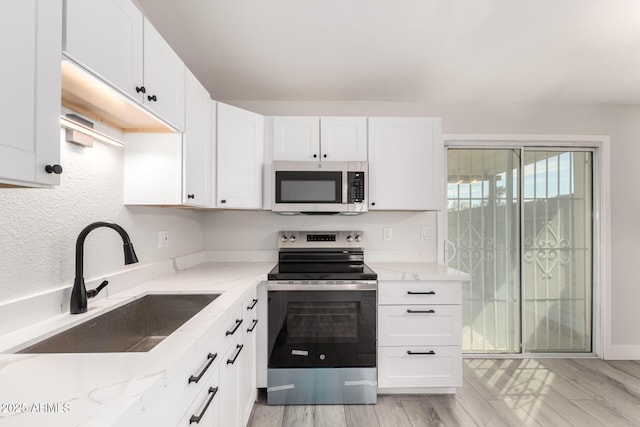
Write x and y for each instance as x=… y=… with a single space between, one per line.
x=356 y=187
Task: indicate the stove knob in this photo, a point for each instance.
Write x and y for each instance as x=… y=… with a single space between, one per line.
x=358 y=238
x=284 y=238
x=292 y=239
x=349 y=238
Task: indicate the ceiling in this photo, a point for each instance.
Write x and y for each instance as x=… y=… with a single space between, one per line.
x=549 y=51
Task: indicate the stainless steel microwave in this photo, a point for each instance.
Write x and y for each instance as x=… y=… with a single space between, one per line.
x=320 y=187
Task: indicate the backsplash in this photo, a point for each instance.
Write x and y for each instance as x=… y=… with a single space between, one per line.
x=258 y=231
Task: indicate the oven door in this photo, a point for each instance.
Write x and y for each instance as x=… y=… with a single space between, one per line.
x=312 y=328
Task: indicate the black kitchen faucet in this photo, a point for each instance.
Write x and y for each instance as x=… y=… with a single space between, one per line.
x=79 y=294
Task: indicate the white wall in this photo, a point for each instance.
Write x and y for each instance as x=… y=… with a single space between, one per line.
x=621 y=123
x=38 y=227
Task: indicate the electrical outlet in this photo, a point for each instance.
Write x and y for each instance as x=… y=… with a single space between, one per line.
x=387 y=234
x=163 y=239
x=426 y=233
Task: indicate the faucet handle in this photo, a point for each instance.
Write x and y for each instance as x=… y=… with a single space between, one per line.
x=93 y=292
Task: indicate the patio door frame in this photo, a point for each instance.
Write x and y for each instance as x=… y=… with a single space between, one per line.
x=601 y=217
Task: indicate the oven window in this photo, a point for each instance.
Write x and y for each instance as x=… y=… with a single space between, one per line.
x=308 y=187
x=322 y=329
x=322 y=322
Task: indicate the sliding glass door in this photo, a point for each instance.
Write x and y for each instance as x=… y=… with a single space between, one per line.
x=519 y=222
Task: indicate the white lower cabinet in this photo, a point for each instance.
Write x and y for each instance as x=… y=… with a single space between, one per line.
x=419 y=336
x=205 y=410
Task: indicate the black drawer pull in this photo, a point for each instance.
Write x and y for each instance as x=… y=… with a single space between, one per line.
x=414 y=353
x=196 y=418
x=253 y=325
x=235 y=328
x=421 y=293
x=232 y=361
x=252 y=306
x=421 y=311
x=195 y=379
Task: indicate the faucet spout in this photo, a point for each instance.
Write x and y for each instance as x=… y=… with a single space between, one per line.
x=79 y=294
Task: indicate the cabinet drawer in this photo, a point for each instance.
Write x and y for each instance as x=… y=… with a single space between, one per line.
x=419 y=325
x=419 y=292
x=433 y=366
x=205 y=408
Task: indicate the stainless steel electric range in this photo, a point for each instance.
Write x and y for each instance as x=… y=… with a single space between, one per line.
x=322 y=321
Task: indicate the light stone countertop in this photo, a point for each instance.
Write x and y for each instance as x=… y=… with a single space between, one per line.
x=113 y=389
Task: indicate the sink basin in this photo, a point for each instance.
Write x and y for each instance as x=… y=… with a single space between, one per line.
x=135 y=327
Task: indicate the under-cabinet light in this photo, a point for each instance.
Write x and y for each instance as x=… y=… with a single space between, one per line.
x=69 y=123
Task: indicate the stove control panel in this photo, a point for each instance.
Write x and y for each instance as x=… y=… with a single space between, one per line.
x=321 y=239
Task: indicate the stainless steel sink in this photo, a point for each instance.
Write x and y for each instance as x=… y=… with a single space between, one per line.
x=135 y=327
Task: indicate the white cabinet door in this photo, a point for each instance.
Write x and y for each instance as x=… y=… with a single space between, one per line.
x=343 y=139
x=105 y=36
x=247 y=377
x=153 y=169
x=164 y=78
x=30 y=38
x=205 y=410
x=405 y=164
x=296 y=138
x=240 y=137
x=197 y=144
x=229 y=390
x=419 y=325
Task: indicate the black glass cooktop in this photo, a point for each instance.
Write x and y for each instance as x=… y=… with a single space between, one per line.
x=311 y=271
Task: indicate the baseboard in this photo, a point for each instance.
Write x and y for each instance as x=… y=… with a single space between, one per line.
x=622 y=352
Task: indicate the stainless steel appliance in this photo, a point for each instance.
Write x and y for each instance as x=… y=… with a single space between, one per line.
x=321 y=321
x=320 y=187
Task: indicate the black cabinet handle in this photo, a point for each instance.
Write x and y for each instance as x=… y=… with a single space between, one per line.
x=253 y=325
x=57 y=169
x=324 y=155
x=415 y=353
x=152 y=98
x=421 y=311
x=195 y=379
x=191 y=196
x=250 y=307
x=232 y=361
x=315 y=156
x=141 y=89
x=373 y=203
x=197 y=418
x=223 y=201
x=421 y=293
x=235 y=328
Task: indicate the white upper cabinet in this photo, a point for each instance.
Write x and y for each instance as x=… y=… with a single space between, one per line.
x=405 y=163
x=106 y=37
x=343 y=138
x=30 y=38
x=164 y=78
x=320 y=138
x=197 y=144
x=296 y=138
x=240 y=139
x=113 y=40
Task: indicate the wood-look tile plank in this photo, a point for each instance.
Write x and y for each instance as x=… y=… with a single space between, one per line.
x=421 y=413
x=539 y=411
x=616 y=377
x=451 y=412
x=298 y=416
x=603 y=413
x=266 y=416
x=361 y=416
x=568 y=409
x=329 y=416
x=391 y=413
x=478 y=408
x=514 y=415
x=630 y=367
x=602 y=387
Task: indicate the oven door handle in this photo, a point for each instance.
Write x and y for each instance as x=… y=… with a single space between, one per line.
x=369 y=285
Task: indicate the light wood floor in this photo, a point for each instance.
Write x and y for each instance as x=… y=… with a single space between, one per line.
x=496 y=392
